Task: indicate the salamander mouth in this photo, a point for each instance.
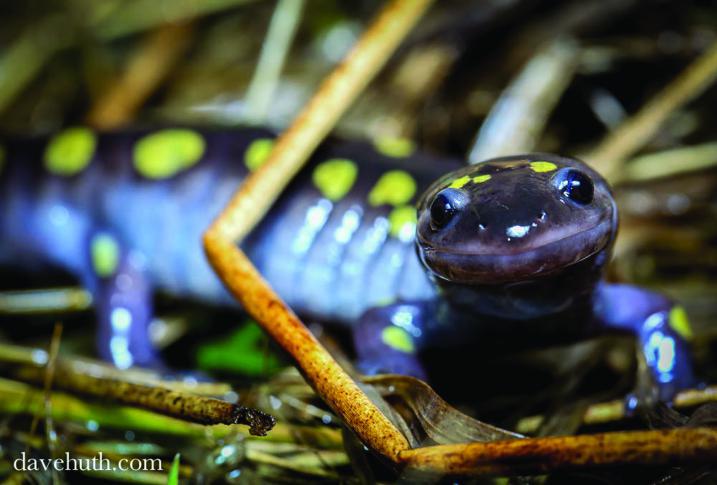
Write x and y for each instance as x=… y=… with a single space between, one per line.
x=493 y=267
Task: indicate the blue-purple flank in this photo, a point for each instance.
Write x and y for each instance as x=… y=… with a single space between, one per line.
x=511 y=246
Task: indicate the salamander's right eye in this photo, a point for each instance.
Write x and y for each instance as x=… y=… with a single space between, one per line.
x=576 y=186
x=444 y=207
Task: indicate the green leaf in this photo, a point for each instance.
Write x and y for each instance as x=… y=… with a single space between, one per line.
x=173 y=477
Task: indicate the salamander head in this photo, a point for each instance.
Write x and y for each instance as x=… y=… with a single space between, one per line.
x=514 y=218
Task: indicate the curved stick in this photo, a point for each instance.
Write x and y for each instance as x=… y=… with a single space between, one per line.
x=256 y=195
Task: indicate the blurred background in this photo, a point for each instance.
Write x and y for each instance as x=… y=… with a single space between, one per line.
x=475 y=79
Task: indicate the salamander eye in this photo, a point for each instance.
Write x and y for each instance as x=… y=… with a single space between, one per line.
x=576 y=186
x=445 y=205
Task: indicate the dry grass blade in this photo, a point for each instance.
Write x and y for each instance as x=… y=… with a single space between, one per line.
x=632 y=135
x=145 y=71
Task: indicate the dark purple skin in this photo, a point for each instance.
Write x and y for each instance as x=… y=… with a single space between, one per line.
x=526 y=254
x=516 y=259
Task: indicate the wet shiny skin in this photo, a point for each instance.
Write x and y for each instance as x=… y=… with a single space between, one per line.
x=507 y=249
x=516 y=247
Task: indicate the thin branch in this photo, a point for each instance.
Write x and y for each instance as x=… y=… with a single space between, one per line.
x=337 y=92
x=185 y=406
x=257 y=194
x=21 y=398
x=541 y=455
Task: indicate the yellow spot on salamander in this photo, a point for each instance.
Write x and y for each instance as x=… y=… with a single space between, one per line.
x=335 y=177
x=395 y=187
x=257 y=153
x=542 y=166
x=398 y=339
x=402 y=222
x=70 y=151
x=680 y=323
x=460 y=182
x=167 y=152
x=396 y=147
x=104 y=252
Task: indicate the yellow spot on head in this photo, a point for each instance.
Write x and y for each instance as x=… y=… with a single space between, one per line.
x=257 y=153
x=680 y=323
x=459 y=183
x=70 y=151
x=335 y=177
x=104 y=252
x=168 y=152
x=542 y=166
x=403 y=222
x=398 y=339
x=396 y=147
x=395 y=187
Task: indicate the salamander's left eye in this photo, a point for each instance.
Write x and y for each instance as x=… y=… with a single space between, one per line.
x=576 y=186
x=445 y=205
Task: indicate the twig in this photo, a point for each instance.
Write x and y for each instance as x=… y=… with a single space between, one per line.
x=541 y=455
x=185 y=406
x=21 y=398
x=274 y=50
x=634 y=133
x=332 y=98
x=145 y=71
x=254 y=198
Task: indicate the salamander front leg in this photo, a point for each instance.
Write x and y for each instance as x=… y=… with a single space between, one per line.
x=123 y=302
x=662 y=332
x=388 y=338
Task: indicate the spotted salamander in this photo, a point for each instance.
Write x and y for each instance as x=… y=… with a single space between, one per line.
x=509 y=247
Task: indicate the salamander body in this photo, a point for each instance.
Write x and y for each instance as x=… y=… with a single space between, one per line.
x=512 y=245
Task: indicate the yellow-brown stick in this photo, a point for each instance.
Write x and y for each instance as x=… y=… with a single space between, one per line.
x=318 y=117
x=259 y=191
x=319 y=368
x=541 y=455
